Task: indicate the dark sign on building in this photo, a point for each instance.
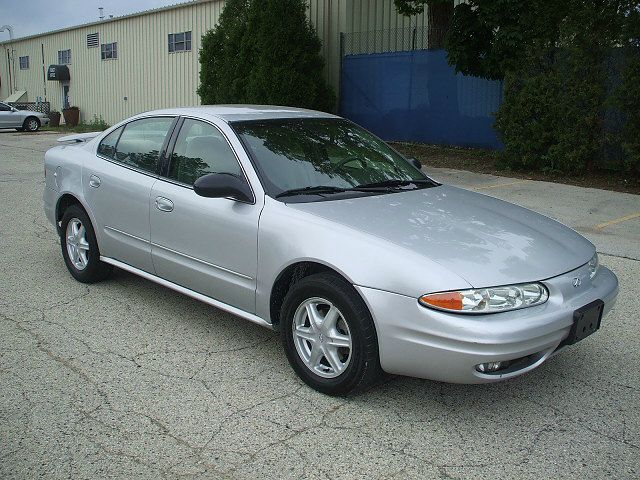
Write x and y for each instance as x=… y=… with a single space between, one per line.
x=58 y=73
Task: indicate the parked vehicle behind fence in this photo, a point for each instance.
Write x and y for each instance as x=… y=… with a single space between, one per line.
x=21 y=120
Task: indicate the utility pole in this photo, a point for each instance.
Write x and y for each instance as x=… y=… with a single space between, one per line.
x=12 y=66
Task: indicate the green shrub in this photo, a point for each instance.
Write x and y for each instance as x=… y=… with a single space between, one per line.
x=264 y=52
x=552 y=115
x=557 y=94
x=97 y=123
x=627 y=99
x=555 y=59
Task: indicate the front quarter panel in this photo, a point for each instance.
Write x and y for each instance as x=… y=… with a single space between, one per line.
x=287 y=236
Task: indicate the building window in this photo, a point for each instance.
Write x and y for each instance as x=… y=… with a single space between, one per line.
x=109 y=51
x=180 y=42
x=93 y=40
x=24 y=63
x=64 y=57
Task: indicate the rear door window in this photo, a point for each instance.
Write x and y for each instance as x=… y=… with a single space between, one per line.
x=141 y=141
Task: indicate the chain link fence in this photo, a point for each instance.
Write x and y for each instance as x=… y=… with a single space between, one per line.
x=393 y=40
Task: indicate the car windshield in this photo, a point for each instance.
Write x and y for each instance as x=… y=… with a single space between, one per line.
x=310 y=156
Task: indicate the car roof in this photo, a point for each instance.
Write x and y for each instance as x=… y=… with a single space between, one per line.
x=235 y=113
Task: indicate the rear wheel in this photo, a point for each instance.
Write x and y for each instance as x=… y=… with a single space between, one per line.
x=31 y=124
x=80 y=248
x=329 y=336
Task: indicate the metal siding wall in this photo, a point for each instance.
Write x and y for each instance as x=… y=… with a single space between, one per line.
x=368 y=15
x=329 y=19
x=145 y=72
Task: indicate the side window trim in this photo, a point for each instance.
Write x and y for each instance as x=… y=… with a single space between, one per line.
x=165 y=162
x=115 y=145
x=164 y=176
x=123 y=127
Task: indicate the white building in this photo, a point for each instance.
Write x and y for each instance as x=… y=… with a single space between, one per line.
x=120 y=66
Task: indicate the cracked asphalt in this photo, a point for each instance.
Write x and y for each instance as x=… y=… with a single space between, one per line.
x=127 y=379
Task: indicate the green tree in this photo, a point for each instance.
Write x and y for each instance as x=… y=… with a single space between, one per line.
x=224 y=61
x=557 y=92
x=264 y=52
x=627 y=96
x=555 y=58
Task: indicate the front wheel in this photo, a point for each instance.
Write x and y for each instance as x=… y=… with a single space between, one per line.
x=329 y=336
x=80 y=247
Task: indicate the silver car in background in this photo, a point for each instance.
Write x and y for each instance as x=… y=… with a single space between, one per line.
x=305 y=223
x=21 y=120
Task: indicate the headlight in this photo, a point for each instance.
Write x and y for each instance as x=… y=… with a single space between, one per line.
x=488 y=300
x=593 y=265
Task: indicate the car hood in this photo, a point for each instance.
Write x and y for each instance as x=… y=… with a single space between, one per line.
x=484 y=240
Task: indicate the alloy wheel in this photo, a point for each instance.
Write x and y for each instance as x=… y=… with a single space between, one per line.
x=322 y=337
x=77 y=244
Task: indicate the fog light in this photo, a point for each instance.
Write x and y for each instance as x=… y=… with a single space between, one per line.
x=490 y=366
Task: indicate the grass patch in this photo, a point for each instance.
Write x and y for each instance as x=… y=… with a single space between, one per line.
x=487 y=161
x=95 y=125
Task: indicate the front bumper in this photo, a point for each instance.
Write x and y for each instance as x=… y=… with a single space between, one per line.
x=421 y=342
x=44 y=121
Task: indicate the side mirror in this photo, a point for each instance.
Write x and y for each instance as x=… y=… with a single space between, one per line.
x=223 y=185
x=415 y=162
x=14 y=109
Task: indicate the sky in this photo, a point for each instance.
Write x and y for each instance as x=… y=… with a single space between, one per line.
x=28 y=17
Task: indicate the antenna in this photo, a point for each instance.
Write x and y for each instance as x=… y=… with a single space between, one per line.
x=101 y=10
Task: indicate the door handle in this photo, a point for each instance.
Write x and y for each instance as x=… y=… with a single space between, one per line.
x=164 y=204
x=94 y=181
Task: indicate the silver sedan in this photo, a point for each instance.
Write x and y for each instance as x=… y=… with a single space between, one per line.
x=21 y=120
x=305 y=223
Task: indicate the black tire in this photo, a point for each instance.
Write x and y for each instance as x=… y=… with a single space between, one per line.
x=31 y=124
x=363 y=368
x=95 y=270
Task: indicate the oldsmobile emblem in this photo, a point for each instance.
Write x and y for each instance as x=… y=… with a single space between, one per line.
x=576 y=282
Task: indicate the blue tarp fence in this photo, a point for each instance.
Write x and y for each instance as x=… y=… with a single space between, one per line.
x=416 y=96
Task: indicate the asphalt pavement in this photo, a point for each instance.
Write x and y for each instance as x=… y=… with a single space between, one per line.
x=127 y=379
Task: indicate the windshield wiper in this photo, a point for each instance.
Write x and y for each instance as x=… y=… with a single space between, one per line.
x=318 y=189
x=393 y=184
x=377 y=186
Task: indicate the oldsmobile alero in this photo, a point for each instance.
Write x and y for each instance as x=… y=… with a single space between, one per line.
x=306 y=223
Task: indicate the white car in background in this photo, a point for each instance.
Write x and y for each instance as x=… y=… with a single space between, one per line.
x=21 y=120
